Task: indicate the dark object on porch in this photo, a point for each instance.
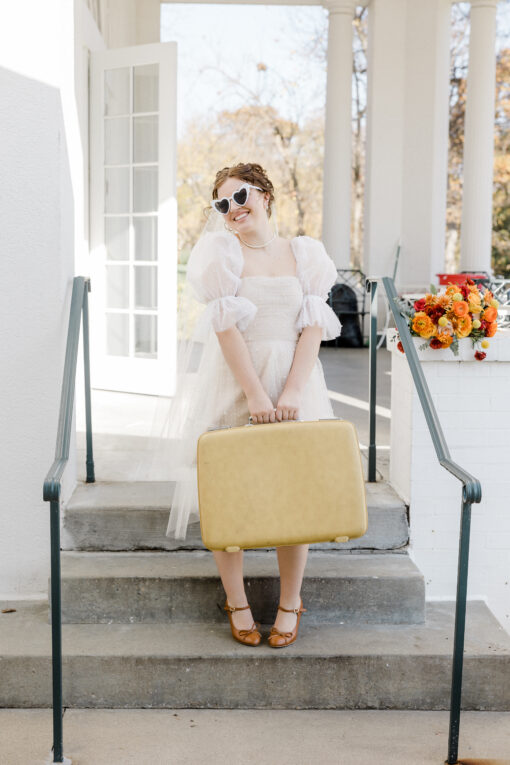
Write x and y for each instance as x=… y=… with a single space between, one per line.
x=344 y=302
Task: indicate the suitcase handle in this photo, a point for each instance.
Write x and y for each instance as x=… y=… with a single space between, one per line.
x=250 y=421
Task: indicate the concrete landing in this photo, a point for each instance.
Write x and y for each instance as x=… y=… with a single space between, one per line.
x=252 y=737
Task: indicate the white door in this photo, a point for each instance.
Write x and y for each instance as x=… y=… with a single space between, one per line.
x=133 y=218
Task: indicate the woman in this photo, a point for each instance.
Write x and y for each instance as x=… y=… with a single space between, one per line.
x=265 y=301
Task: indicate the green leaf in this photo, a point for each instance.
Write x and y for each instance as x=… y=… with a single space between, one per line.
x=433 y=289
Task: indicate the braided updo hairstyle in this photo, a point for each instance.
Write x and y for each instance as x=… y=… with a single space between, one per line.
x=250 y=172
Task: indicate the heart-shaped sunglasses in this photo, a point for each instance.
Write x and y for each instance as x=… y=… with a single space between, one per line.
x=240 y=197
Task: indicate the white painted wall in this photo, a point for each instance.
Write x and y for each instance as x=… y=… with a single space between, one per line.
x=473 y=407
x=43 y=219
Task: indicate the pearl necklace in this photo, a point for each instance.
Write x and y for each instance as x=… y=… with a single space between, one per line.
x=257 y=245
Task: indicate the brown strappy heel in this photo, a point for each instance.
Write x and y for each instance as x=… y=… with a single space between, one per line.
x=277 y=639
x=247 y=637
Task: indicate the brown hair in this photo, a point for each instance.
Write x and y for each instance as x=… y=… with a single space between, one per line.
x=250 y=172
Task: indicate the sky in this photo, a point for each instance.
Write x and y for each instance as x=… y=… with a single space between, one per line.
x=245 y=35
x=277 y=36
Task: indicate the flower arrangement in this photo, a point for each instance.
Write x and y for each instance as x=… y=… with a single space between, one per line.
x=463 y=310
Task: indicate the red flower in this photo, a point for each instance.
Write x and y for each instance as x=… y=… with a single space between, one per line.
x=436 y=343
x=419 y=305
x=400 y=346
x=480 y=355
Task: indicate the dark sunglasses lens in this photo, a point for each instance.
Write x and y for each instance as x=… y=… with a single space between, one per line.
x=240 y=196
x=222 y=206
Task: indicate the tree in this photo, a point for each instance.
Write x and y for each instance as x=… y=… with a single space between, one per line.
x=290 y=154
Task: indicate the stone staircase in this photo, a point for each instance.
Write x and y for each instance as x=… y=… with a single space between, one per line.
x=143 y=624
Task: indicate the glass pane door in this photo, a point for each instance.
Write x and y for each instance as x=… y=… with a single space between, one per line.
x=131 y=122
x=132 y=126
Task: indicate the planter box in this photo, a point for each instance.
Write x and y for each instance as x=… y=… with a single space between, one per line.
x=472 y=400
x=499 y=349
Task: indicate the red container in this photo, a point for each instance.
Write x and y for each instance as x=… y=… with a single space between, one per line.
x=459 y=278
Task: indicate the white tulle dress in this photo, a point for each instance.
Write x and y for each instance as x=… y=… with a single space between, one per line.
x=270 y=312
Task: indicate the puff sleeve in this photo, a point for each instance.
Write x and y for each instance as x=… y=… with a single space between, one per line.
x=214 y=269
x=317 y=274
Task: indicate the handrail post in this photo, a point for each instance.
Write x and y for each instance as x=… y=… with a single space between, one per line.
x=56 y=631
x=53 y=484
x=86 y=365
x=458 y=637
x=372 y=391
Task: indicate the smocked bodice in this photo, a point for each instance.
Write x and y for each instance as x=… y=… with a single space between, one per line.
x=278 y=300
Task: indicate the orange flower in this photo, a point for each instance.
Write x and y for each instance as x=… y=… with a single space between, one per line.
x=490 y=313
x=423 y=325
x=460 y=308
x=491 y=328
x=463 y=326
x=445 y=339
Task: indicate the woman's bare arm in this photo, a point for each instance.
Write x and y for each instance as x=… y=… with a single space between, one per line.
x=305 y=356
x=238 y=358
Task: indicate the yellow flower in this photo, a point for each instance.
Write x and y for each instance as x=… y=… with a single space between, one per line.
x=474 y=302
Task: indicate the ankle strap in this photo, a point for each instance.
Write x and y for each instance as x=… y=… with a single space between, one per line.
x=226 y=607
x=292 y=610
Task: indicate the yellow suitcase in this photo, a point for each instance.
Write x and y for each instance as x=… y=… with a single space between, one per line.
x=281 y=483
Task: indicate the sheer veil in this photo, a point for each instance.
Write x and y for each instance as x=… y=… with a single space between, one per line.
x=169 y=453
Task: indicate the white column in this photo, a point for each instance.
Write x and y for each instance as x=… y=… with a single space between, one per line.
x=385 y=126
x=425 y=144
x=476 y=225
x=336 y=198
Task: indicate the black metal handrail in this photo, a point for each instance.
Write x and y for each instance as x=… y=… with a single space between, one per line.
x=53 y=483
x=471 y=487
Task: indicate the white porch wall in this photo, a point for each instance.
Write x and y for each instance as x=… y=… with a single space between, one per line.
x=43 y=218
x=132 y=22
x=473 y=408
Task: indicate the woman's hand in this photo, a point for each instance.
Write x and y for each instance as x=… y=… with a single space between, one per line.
x=288 y=405
x=261 y=407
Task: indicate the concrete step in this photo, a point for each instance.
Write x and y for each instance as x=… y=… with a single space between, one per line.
x=200 y=665
x=127 y=587
x=122 y=515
